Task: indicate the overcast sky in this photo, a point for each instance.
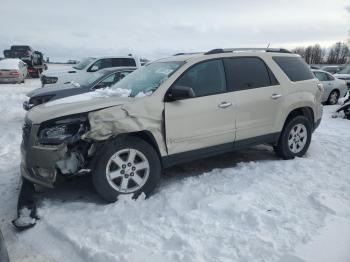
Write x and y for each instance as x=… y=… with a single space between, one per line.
x=71 y=29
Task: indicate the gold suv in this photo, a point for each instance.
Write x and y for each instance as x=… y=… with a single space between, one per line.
x=173 y=110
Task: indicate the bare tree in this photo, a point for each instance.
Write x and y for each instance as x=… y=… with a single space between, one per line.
x=338 y=54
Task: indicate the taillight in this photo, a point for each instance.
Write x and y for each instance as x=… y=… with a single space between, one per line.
x=14 y=73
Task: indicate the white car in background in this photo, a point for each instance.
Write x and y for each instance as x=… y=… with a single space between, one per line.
x=86 y=67
x=13 y=70
x=344 y=74
x=334 y=88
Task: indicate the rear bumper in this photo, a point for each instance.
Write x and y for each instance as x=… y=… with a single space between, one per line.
x=10 y=79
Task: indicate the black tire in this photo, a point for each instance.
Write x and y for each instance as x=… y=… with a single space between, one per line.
x=282 y=149
x=99 y=176
x=331 y=100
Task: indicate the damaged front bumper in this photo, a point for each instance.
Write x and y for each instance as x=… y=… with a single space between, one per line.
x=41 y=164
x=38 y=163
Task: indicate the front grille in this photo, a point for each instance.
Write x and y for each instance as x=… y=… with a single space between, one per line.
x=27 y=126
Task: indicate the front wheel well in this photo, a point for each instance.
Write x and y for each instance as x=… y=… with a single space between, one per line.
x=148 y=137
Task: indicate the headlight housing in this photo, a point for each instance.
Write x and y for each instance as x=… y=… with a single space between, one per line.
x=34 y=101
x=48 y=80
x=63 y=130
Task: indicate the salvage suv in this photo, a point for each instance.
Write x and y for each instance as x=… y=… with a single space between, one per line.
x=174 y=110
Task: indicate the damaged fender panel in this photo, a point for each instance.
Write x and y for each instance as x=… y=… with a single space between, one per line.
x=128 y=118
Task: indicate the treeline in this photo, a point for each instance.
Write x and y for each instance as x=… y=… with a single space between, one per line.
x=339 y=53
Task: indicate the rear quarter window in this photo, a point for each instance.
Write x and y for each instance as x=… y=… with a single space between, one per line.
x=116 y=62
x=294 y=67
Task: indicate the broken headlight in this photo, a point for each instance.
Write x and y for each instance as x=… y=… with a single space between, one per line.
x=64 y=130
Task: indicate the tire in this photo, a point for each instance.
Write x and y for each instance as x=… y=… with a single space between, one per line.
x=113 y=161
x=333 y=97
x=290 y=146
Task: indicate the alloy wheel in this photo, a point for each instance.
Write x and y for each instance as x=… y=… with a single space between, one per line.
x=127 y=170
x=297 y=138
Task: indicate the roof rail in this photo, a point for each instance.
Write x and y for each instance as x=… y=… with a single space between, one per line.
x=229 y=50
x=193 y=53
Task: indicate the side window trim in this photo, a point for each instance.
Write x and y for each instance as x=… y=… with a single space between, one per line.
x=183 y=73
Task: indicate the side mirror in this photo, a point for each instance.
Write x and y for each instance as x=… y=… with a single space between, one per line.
x=180 y=92
x=94 y=68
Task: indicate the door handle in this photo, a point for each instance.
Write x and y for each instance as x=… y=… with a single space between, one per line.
x=225 y=104
x=276 y=96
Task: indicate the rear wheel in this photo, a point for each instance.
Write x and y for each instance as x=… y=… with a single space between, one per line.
x=295 y=138
x=127 y=166
x=333 y=97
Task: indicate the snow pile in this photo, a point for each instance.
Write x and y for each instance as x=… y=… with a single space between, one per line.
x=99 y=93
x=25 y=218
x=9 y=63
x=108 y=92
x=243 y=206
x=342 y=100
x=143 y=94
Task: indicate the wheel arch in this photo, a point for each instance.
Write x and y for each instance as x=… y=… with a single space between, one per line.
x=306 y=111
x=148 y=137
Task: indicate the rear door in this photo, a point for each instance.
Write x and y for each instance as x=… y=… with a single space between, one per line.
x=258 y=96
x=205 y=120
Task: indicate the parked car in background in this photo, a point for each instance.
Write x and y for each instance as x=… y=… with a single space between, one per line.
x=86 y=67
x=13 y=70
x=333 y=69
x=334 y=88
x=171 y=111
x=100 y=79
x=34 y=59
x=25 y=53
x=344 y=74
x=72 y=61
x=4 y=257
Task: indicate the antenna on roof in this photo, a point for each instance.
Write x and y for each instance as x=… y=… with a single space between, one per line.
x=268 y=45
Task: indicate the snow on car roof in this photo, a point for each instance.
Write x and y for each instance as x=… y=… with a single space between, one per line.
x=10 y=63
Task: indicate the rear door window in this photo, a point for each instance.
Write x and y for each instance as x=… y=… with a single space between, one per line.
x=294 y=67
x=247 y=73
x=321 y=76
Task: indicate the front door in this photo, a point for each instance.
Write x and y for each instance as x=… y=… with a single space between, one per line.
x=206 y=120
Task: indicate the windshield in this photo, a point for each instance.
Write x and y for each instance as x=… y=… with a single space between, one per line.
x=92 y=78
x=345 y=70
x=148 y=78
x=84 y=63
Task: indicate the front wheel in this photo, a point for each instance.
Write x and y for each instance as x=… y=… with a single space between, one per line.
x=126 y=166
x=295 y=138
x=333 y=97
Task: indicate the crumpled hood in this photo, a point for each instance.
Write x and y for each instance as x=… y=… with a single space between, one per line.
x=66 y=107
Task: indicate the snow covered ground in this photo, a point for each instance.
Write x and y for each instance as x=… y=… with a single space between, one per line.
x=241 y=206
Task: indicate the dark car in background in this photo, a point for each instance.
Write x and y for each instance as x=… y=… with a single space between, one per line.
x=97 y=80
